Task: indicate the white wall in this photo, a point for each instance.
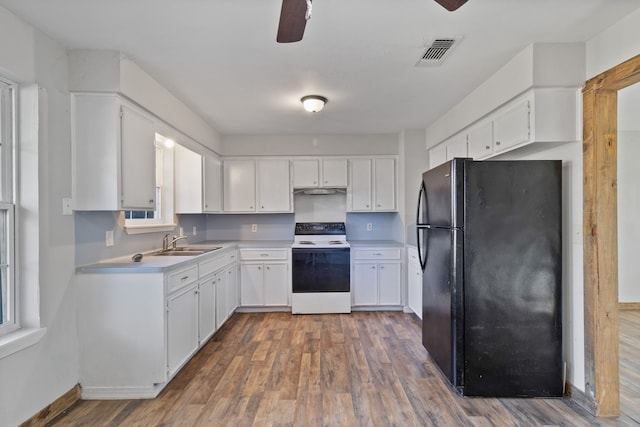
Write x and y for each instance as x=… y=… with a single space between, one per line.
x=309 y=145
x=415 y=162
x=628 y=215
x=34 y=377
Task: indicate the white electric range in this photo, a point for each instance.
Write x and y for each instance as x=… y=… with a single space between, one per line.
x=321 y=265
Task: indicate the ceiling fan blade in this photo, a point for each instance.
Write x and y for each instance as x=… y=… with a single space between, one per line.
x=292 y=21
x=451 y=5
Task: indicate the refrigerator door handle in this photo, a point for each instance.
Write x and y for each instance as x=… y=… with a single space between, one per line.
x=420 y=226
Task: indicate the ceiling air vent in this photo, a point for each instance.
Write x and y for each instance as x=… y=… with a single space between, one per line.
x=437 y=51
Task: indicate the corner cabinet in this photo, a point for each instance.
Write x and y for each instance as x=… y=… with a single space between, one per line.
x=261 y=186
x=187 y=171
x=373 y=185
x=376 y=278
x=153 y=321
x=113 y=154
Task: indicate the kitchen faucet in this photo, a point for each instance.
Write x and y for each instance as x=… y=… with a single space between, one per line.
x=166 y=242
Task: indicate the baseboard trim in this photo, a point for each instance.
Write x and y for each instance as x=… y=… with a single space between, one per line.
x=629 y=306
x=580 y=398
x=54 y=409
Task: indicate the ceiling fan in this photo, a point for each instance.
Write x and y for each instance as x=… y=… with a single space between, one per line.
x=295 y=14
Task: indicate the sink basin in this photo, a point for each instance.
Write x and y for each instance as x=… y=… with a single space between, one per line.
x=178 y=253
x=185 y=251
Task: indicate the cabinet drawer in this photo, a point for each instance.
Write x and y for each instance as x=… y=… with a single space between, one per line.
x=182 y=278
x=214 y=264
x=264 y=254
x=381 y=253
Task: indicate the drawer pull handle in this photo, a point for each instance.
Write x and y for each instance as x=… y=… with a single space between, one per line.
x=184 y=278
x=264 y=254
x=497 y=142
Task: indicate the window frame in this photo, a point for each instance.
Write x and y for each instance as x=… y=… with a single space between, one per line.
x=8 y=134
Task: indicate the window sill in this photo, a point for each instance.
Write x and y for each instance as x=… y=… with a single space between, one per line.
x=16 y=341
x=140 y=229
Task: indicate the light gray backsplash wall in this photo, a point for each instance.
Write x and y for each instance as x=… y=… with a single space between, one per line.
x=238 y=227
x=90 y=228
x=320 y=208
x=385 y=226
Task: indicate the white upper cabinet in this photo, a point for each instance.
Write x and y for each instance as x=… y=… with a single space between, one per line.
x=187 y=180
x=538 y=115
x=273 y=186
x=311 y=173
x=261 y=185
x=480 y=140
x=361 y=185
x=113 y=150
x=512 y=127
x=239 y=185
x=212 y=184
x=373 y=185
x=457 y=146
x=437 y=155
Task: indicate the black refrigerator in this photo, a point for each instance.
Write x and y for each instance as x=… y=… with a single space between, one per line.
x=489 y=242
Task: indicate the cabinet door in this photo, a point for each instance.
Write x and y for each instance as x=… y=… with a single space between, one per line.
x=480 y=141
x=276 y=289
x=437 y=155
x=239 y=185
x=334 y=173
x=361 y=185
x=457 y=146
x=365 y=284
x=182 y=327
x=138 y=165
x=232 y=288
x=385 y=184
x=305 y=173
x=187 y=175
x=251 y=284
x=206 y=309
x=221 y=300
x=414 y=282
x=389 y=284
x=212 y=183
x=512 y=127
x=274 y=194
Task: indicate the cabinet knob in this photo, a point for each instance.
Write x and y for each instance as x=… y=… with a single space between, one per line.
x=373 y=267
x=382 y=267
x=497 y=142
x=367 y=205
x=379 y=205
x=151 y=201
x=486 y=147
x=196 y=292
x=259 y=268
x=326 y=182
x=268 y=268
x=262 y=207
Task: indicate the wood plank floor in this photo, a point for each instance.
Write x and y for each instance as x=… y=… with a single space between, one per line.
x=360 y=369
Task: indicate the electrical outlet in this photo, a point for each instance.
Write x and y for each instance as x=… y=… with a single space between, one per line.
x=254 y=228
x=109 y=238
x=181 y=231
x=369 y=226
x=66 y=206
x=195 y=230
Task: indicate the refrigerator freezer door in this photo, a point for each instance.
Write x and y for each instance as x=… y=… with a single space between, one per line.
x=441 y=297
x=444 y=195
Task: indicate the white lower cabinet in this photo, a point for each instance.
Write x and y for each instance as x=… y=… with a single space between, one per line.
x=265 y=277
x=182 y=326
x=414 y=282
x=136 y=330
x=377 y=277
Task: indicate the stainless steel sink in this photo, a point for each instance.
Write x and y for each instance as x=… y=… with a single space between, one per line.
x=185 y=251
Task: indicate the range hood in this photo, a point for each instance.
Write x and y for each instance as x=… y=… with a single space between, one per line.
x=319 y=191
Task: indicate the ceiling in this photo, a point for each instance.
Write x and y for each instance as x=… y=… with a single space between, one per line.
x=220 y=57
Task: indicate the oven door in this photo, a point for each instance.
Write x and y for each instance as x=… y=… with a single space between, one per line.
x=321 y=270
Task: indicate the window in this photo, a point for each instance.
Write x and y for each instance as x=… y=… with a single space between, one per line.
x=161 y=219
x=8 y=292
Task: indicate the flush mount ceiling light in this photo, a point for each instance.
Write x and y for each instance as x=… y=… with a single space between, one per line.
x=313 y=103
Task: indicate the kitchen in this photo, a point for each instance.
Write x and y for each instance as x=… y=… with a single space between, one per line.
x=66 y=243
